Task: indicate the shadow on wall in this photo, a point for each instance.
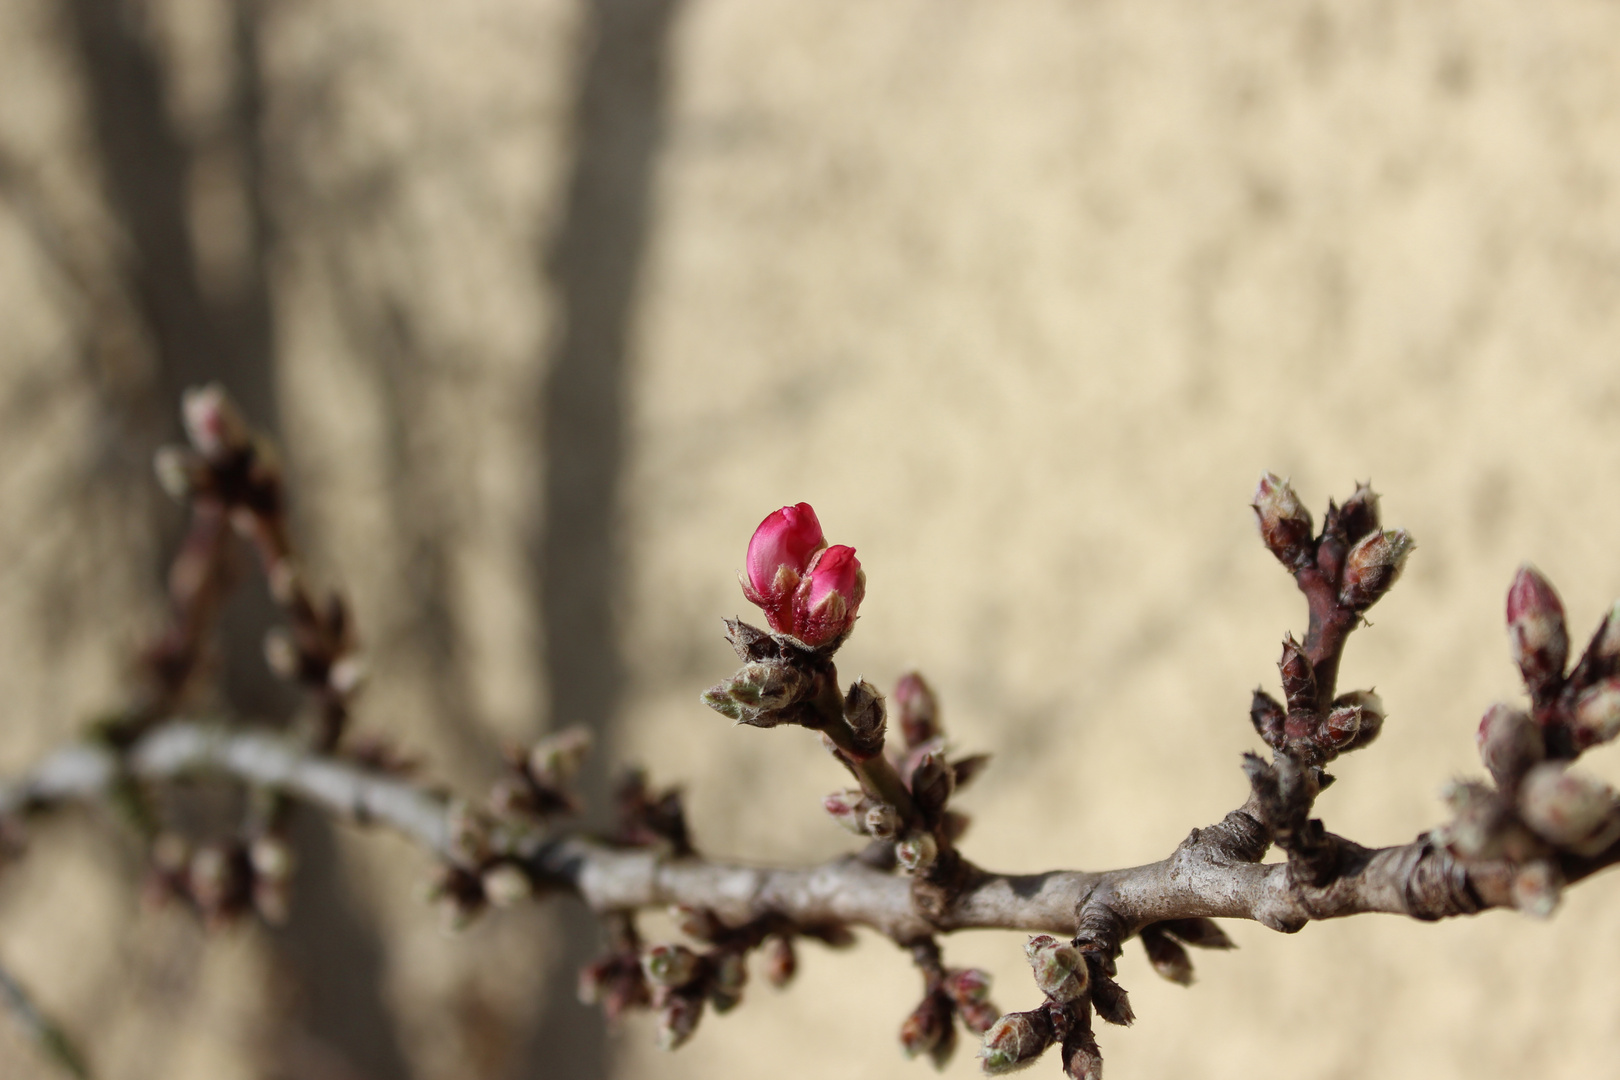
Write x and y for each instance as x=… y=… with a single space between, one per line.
x=593 y=265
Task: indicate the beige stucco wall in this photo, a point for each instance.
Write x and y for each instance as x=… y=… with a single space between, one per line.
x=1022 y=297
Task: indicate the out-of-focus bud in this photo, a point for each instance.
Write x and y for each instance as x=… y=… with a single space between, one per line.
x=272 y=900
x=916 y=852
x=1060 y=970
x=1570 y=809
x=470 y=835
x=1298 y=680
x=347 y=674
x=214 y=879
x=1359 y=515
x=779 y=554
x=1509 y=743
x=781 y=961
x=181 y=473
x=678 y=1016
x=730 y=976
x=1606 y=642
x=1285 y=524
x=867 y=717
x=965 y=770
x=828 y=599
x=1596 y=715
x=918 y=708
x=1371 y=720
x=695 y=922
x=848 y=808
x=669 y=965
x=555 y=760
x=932 y=782
x=1015 y=1041
x=1268 y=717
x=1167 y=956
x=506 y=884
x=281 y=653
x=1372 y=567
x=1537 y=888
x=928 y=1025
x=1536 y=632
x=1477 y=820
x=213 y=424
x=964 y=985
x=1199 y=933
x=882 y=821
x=271 y=858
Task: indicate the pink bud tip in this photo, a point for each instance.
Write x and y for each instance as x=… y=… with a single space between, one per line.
x=1535 y=618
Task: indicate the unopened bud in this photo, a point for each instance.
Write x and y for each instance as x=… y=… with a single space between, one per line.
x=181 y=473
x=758 y=692
x=556 y=759
x=882 y=821
x=827 y=600
x=916 y=852
x=213 y=424
x=1285 y=524
x=1060 y=970
x=1537 y=887
x=1570 y=809
x=1015 y=1041
x=271 y=858
x=848 y=808
x=730 y=976
x=1268 y=717
x=669 y=965
x=1298 y=679
x=779 y=555
x=347 y=674
x=1372 y=567
x=1167 y=956
x=1536 y=632
x=469 y=842
x=281 y=654
x=966 y=985
x=918 y=708
x=1606 y=642
x=932 y=782
x=1371 y=716
x=1597 y=713
x=781 y=961
x=272 y=900
x=506 y=884
x=965 y=770
x=1509 y=743
x=695 y=922
x=212 y=878
x=978 y=1016
x=1341 y=726
x=927 y=1026
x=1359 y=515
x=867 y=717
x=678 y=1018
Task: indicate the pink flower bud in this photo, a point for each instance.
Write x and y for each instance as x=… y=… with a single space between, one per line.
x=1597 y=714
x=1571 y=810
x=918 y=708
x=1015 y=1041
x=1535 y=619
x=824 y=607
x=1509 y=743
x=1372 y=567
x=1285 y=524
x=778 y=556
x=1060 y=970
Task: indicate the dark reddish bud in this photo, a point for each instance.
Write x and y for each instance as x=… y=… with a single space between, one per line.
x=1596 y=714
x=1372 y=567
x=1298 y=679
x=730 y=976
x=678 y=1016
x=867 y=718
x=1285 y=524
x=927 y=1026
x=965 y=985
x=1535 y=618
x=918 y=709
x=978 y=1016
x=1199 y=933
x=1015 y=1041
x=1082 y=1060
x=1268 y=717
x=1359 y=515
x=1509 y=743
x=1167 y=956
x=1341 y=726
x=966 y=770
x=1569 y=809
x=781 y=961
x=1370 y=717
x=932 y=782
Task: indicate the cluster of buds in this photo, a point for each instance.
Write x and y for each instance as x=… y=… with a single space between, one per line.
x=1309 y=733
x=483 y=866
x=810 y=592
x=958 y=994
x=1353 y=557
x=540 y=780
x=223 y=881
x=645 y=817
x=1577 y=710
x=616 y=983
x=1018 y=1039
x=683 y=982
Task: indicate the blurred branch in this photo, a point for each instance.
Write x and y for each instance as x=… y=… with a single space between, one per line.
x=45 y=1033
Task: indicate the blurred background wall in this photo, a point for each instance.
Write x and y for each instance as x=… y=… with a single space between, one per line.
x=550 y=301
